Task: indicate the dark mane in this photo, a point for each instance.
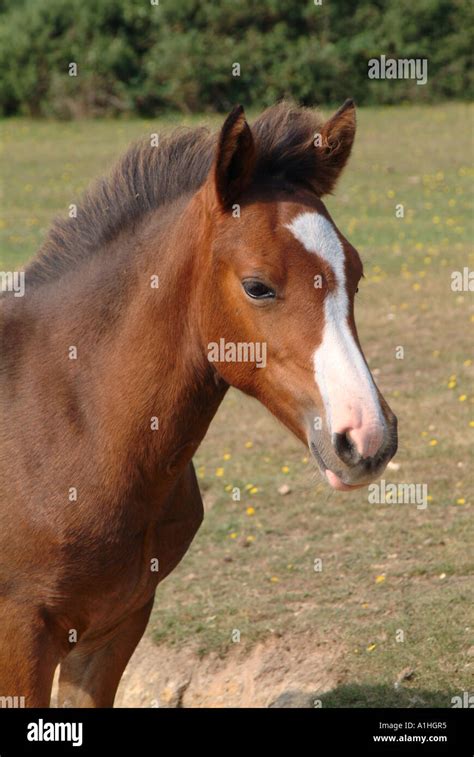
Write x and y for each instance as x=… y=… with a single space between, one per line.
x=148 y=177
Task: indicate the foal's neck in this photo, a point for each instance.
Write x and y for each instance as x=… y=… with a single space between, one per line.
x=159 y=379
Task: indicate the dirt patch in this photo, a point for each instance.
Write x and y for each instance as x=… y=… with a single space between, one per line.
x=277 y=673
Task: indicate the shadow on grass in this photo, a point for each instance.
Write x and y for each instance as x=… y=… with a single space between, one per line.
x=355 y=695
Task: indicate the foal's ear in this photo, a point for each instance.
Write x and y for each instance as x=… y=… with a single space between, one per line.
x=235 y=158
x=334 y=146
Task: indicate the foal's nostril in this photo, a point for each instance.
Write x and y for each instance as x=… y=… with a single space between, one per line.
x=345 y=449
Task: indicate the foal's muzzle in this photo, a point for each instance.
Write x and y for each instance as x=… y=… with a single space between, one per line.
x=341 y=462
x=347 y=452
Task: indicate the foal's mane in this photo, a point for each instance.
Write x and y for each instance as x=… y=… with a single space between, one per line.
x=148 y=177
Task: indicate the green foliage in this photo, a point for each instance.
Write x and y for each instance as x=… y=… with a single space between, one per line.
x=135 y=57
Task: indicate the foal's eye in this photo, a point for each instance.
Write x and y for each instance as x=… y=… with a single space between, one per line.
x=257 y=290
x=357 y=290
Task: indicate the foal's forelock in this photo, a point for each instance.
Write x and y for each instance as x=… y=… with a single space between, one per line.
x=341 y=374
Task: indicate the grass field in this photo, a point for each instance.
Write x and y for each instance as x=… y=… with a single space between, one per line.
x=386 y=568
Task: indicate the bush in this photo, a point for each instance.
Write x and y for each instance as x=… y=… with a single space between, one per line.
x=135 y=57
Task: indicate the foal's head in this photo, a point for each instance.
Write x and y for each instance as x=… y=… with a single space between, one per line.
x=281 y=277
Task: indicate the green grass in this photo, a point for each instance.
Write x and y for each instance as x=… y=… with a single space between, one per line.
x=255 y=572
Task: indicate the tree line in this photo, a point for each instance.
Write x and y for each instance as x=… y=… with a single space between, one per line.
x=145 y=57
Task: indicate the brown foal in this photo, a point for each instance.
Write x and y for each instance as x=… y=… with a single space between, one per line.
x=107 y=385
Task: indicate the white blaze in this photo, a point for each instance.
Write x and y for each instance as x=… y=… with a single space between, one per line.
x=345 y=383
